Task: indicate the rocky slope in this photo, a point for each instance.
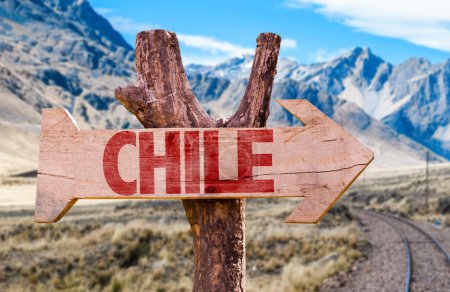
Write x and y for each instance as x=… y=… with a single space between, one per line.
x=56 y=53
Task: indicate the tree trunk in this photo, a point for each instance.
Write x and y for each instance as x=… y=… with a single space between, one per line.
x=162 y=98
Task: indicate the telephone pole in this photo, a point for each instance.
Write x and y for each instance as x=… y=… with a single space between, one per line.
x=427 y=179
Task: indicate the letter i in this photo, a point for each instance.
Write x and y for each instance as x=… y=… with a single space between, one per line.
x=192 y=162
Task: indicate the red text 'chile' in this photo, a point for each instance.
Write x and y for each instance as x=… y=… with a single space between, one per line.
x=171 y=162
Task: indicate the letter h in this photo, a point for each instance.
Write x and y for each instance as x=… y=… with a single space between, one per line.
x=149 y=161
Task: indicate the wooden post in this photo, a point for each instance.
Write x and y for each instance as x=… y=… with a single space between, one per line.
x=162 y=98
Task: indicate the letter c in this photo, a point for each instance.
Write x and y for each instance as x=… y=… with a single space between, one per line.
x=111 y=163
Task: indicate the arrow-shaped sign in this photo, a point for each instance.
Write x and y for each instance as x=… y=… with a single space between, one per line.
x=318 y=161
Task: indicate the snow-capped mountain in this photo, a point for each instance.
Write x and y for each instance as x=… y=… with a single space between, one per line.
x=412 y=98
x=61 y=53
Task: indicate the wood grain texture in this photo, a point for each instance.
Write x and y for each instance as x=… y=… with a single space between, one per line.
x=317 y=161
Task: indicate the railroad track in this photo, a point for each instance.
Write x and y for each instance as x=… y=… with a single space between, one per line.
x=427 y=261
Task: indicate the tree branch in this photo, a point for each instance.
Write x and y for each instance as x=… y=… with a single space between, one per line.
x=162 y=97
x=253 y=110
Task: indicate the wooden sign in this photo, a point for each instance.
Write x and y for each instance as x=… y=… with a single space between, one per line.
x=317 y=161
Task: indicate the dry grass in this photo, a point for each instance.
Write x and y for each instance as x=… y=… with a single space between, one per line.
x=304 y=259
x=402 y=192
x=147 y=246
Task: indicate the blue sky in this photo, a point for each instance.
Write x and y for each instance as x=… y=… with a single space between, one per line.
x=312 y=30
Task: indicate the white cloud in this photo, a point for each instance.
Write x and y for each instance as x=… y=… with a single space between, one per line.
x=207 y=50
x=124 y=25
x=288 y=43
x=203 y=59
x=213 y=46
x=323 y=55
x=104 y=10
x=421 y=22
x=128 y=25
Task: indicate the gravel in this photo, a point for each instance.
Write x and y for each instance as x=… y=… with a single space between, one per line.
x=385 y=268
x=386 y=265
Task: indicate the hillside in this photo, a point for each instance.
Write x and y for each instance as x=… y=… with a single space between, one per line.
x=57 y=54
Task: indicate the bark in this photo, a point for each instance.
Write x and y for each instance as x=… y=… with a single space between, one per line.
x=162 y=97
x=253 y=110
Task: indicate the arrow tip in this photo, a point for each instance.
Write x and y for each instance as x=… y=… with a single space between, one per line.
x=348 y=160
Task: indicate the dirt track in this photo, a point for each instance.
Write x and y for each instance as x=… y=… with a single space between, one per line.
x=386 y=267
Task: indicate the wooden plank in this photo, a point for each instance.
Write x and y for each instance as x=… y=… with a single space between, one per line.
x=318 y=162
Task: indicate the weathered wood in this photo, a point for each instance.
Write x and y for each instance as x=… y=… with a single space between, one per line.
x=317 y=162
x=162 y=97
x=253 y=111
x=161 y=75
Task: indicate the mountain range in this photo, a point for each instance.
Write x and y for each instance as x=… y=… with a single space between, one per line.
x=61 y=53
